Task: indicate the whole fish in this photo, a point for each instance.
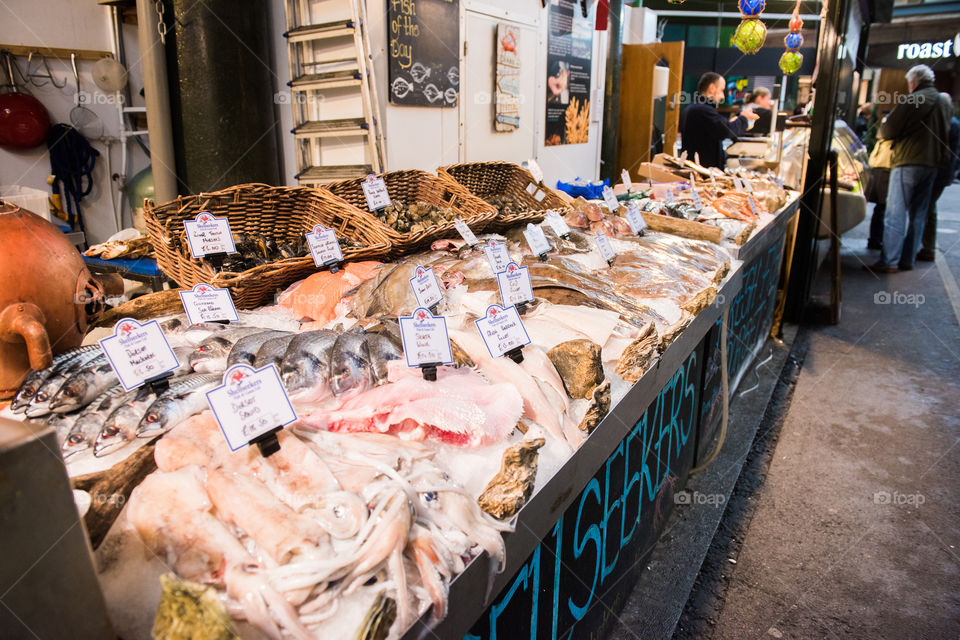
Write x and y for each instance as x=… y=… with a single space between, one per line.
x=83 y=433
x=350 y=363
x=183 y=399
x=179 y=329
x=120 y=427
x=210 y=356
x=382 y=348
x=61 y=423
x=272 y=351
x=244 y=351
x=40 y=404
x=306 y=364
x=35 y=379
x=83 y=387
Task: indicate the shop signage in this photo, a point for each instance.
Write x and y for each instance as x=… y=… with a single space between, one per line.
x=324 y=246
x=497 y=255
x=138 y=352
x=507 y=95
x=205 y=303
x=514 y=283
x=538 y=241
x=208 y=234
x=250 y=404
x=502 y=330
x=928 y=50
x=569 y=52
x=425 y=339
x=423 y=52
x=588 y=562
x=425 y=287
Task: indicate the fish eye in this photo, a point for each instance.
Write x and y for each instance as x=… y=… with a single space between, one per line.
x=42 y=397
x=429 y=496
x=69 y=392
x=110 y=431
x=152 y=417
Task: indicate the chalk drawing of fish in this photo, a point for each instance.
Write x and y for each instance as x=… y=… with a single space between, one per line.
x=431 y=92
x=450 y=95
x=419 y=72
x=401 y=87
x=453 y=75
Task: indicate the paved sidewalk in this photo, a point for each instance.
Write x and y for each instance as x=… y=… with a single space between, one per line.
x=856 y=529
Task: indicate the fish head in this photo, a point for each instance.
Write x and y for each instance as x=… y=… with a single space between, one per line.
x=25 y=393
x=348 y=377
x=108 y=440
x=210 y=349
x=154 y=420
x=70 y=394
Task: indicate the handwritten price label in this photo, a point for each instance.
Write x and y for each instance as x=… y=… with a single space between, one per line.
x=208 y=234
x=537 y=240
x=557 y=223
x=425 y=287
x=324 y=246
x=425 y=339
x=635 y=219
x=625 y=178
x=535 y=170
x=502 y=330
x=611 y=199
x=514 y=285
x=497 y=256
x=753 y=205
x=604 y=246
x=249 y=404
x=138 y=352
x=375 y=191
x=465 y=232
x=204 y=303
x=696 y=197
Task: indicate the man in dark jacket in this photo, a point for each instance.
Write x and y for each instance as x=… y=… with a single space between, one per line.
x=918 y=127
x=944 y=179
x=704 y=129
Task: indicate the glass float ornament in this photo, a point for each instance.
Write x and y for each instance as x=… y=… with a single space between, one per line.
x=749 y=36
x=793 y=41
x=751 y=8
x=790 y=62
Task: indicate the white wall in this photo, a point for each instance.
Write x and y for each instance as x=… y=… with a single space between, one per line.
x=425 y=138
x=80 y=24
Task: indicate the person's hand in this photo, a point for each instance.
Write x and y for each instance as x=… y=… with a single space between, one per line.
x=749 y=115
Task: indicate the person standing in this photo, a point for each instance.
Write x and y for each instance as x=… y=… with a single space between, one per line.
x=704 y=129
x=759 y=102
x=877 y=186
x=944 y=179
x=918 y=128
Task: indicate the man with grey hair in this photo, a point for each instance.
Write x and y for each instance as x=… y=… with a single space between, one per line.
x=918 y=127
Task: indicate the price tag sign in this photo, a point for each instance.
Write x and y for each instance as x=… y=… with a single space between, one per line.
x=537 y=240
x=324 y=246
x=611 y=199
x=669 y=197
x=635 y=219
x=625 y=178
x=514 y=285
x=531 y=188
x=539 y=195
x=502 y=330
x=747 y=185
x=138 y=352
x=249 y=404
x=497 y=256
x=465 y=232
x=696 y=197
x=557 y=223
x=425 y=339
x=425 y=287
x=535 y=170
x=604 y=246
x=375 y=191
x=208 y=234
x=753 y=204
x=737 y=183
x=204 y=303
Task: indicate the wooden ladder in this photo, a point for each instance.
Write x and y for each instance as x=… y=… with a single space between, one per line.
x=337 y=128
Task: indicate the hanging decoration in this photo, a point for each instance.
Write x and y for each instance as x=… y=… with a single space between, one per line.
x=792 y=59
x=751 y=33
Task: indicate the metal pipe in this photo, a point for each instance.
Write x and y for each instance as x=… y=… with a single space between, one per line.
x=610 y=135
x=157 y=96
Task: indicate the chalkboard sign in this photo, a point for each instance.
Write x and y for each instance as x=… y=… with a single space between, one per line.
x=424 y=46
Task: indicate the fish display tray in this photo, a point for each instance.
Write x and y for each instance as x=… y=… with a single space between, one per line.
x=412 y=186
x=281 y=213
x=487 y=179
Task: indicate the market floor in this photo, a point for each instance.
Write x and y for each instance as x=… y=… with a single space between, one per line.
x=855 y=531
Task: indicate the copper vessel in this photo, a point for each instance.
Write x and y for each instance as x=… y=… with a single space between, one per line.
x=47 y=295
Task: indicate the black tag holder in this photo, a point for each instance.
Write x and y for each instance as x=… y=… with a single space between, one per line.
x=515 y=354
x=429 y=371
x=267 y=442
x=332 y=265
x=542 y=257
x=434 y=308
x=522 y=306
x=160 y=383
x=610 y=262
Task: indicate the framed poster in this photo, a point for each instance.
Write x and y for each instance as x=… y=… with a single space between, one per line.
x=569 y=54
x=507 y=103
x=424 y=52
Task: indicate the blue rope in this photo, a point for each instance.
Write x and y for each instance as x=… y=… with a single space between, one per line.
x=72 y=160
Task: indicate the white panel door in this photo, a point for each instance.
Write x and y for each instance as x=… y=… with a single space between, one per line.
x=480 y=141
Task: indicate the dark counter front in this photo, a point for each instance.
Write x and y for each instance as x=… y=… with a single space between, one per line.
x=580 y=574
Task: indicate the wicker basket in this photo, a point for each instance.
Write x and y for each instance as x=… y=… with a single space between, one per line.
x=487 y=179
x=281 y=213
x=412 y=186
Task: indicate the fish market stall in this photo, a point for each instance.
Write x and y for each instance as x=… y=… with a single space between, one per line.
x=504 y=473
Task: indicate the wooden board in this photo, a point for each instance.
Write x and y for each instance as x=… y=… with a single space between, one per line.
x=424 y=52
x=683 y=228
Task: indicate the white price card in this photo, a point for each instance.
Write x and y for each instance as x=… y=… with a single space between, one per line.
x=208 y=234
x=753 y=204
x=250 y=403
x=534 y=170
x=539 y=195
x=138 y=352
x=425 y=287
x=324 y=246
x=514 y=285
x=625 y=178
x=375 y=191
x=737 y=183
x=502 y=330
x=205 y=303
x=635 y=219
x=696 y=197
x=669 y=197
x=611 y=199
x=537 y=240
x=747 y=185
x=557 y=223
x=465 y=232
x=425 y=339
x=531 y=188
x=604 y=246
x=497 y=255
